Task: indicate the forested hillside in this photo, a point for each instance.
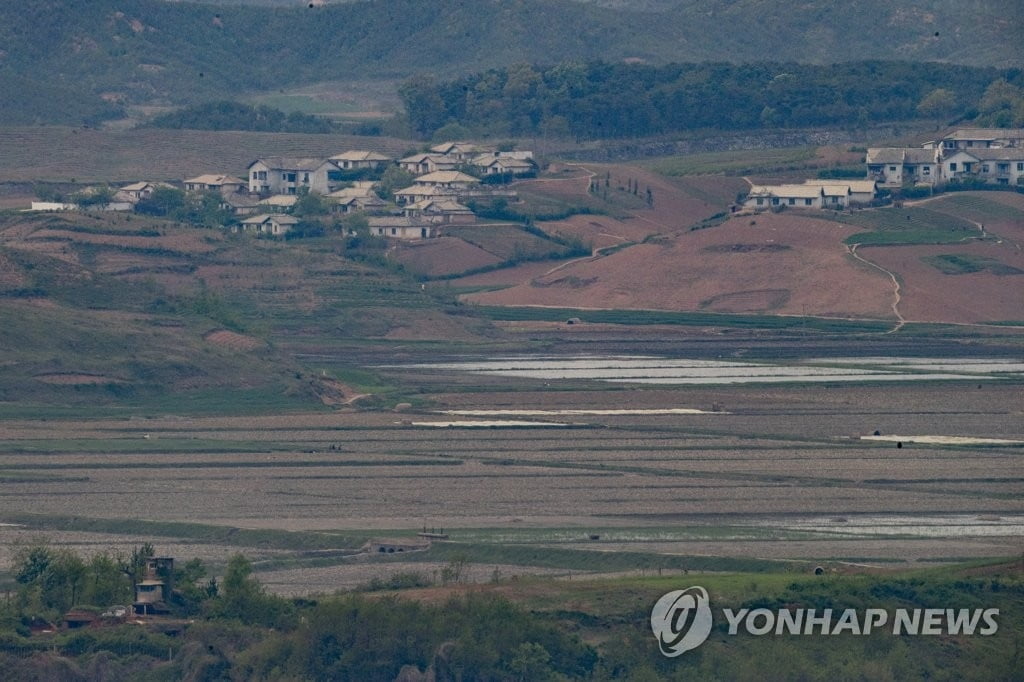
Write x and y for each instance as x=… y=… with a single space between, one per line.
x=104 y=53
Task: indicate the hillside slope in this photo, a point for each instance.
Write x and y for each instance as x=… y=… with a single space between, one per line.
x=954 y=259
x=107 y=51
x=127 y=310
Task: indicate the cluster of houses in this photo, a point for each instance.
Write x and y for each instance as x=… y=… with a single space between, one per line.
x=446 y=177
x=990 y=155
x=436 y=197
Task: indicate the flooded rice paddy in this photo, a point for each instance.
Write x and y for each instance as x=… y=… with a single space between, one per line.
x=937 y=526
x=677 y=371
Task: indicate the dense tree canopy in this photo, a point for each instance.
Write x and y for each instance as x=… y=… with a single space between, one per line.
x=595 y=100
x=231 y=115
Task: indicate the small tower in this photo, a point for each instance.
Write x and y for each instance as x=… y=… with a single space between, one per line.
x=153 y=591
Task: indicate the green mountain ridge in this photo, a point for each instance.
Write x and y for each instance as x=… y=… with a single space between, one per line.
x=110 y=52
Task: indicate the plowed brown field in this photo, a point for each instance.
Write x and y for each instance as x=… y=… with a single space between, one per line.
x=781 y=264
x=930 y=295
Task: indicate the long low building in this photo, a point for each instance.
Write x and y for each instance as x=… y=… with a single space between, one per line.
x=831 y=194
x=401 y=227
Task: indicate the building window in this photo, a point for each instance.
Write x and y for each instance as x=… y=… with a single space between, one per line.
x=892 y=169
x=394 y=230
x=760 y=201
x=984 y=168
x=1020 y=167
x=792 y=202
x=926 y=170
x=952 y=168
x=775 y=201
x=970 y=143
x=1003 y=181
x=807 y=202
x=1003 y=167
x=305 y=177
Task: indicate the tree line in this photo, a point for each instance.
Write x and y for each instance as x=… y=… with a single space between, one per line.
x=232 y=115
x=596 y=99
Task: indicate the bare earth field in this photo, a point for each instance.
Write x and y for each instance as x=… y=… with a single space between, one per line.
x=781 y=264
x=928 y=294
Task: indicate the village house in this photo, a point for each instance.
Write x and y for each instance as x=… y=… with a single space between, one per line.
x=1003 y=166
x=797 y=196
x=895 y=166
x=453 y=180
x=359 y=160
x=860 y=192
x=401 y=227
x=460 y=151
x=239 y=203
x=369 y=204
x=980 y=138
x=137 y=191
x=282 y=175
x=357 y=189
x=446 y=211
x=279 y=202
x=359 y=197
x=225 y=184
x=273 y=224
x=503 y=165
x=421 y=164
x=410 y=195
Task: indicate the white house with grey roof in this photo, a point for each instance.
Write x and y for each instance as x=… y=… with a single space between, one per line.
x=224 y=184
x=993 y=155
x=763 y=197
x=981 y=138
x=401 y=227
x=358 y=160
x=273 y=224
x=421 y=164
x=895 y=166
x=284 y=175
x=1002 y=166
x=857 y=191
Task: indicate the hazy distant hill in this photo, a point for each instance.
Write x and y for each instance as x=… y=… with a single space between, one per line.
x=155 y=50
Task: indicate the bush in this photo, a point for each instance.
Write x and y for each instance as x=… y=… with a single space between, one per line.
x=398 y=581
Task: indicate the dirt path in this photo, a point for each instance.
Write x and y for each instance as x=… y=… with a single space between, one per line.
x=980 y=226
x=900 y=321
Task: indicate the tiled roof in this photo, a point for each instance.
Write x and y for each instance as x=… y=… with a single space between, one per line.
x=290 y=163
